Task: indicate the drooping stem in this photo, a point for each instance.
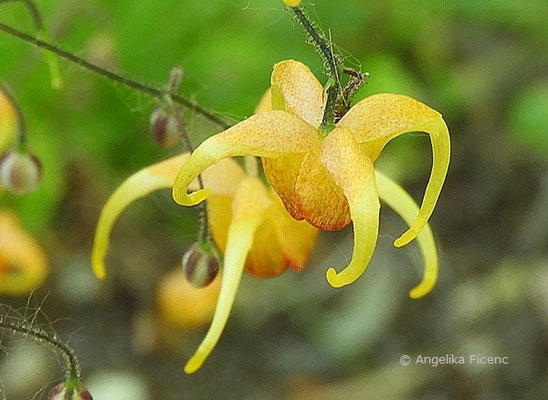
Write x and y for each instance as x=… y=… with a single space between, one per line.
x=172 y=87
x=21 y=126
x=113 y=76
x=334 y=90
x=72 y=367
x=320 y=42
x=204 y=234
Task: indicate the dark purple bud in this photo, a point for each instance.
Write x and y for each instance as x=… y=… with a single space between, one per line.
x=201 y=264
x=20 y=173
x=164 y=127
x=67 y=391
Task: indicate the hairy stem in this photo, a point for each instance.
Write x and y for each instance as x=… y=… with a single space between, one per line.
x=72 y=368
x=113 y=76
x=204 y=234
x=331 y=60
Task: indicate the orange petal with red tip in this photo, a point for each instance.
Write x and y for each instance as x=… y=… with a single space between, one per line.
x=268 y=134
x=404 y=205
x=23 y=263
x=223 y=179
x=353 y=171
x=249 y=206
x=319 y=199
x=377 y=119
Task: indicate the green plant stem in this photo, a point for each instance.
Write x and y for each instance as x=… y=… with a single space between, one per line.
x=111 y=75
x=332 y=62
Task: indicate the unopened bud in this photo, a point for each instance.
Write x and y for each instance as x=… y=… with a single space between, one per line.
x=64 y=391
x=201 y=264
x=20 y=173
x=164 y=129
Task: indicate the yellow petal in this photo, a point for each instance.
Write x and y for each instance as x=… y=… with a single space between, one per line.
x=249 y=208
x=146 y=181
x=352 y=170
x=269 y=134
x=403 y=204
x=23 y=263
x=265 y=104
x=280 y=241
x=377 y=119
x=8 y=122
x=301 y=93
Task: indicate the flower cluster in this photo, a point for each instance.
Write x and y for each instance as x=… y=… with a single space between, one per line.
x=318 y=179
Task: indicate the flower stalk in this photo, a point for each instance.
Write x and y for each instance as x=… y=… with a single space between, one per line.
x=72 y=365
x=53 y=65
x=152 y=91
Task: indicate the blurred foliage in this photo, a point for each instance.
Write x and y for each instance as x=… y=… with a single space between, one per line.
x=483 y=64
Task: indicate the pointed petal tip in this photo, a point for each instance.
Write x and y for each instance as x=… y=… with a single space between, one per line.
x=185 y=199
x=422 y=289
x=406 y=238
x=335 y=279
x=99 y=271
x=98 y=259
x=194 y=364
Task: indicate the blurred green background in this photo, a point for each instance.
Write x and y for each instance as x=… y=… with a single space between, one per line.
x=483 y=64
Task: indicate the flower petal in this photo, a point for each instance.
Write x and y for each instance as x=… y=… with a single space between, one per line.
x=296 y=238
x=281 y=171
x=314 y=188
x=23 y=263
x=403 y=204
x=265 y=104
x=282 y=175
x=148 y=180
x=301 y=93
x=377 y=119
x=249 y=208
x=352 y=170
x=269 y=134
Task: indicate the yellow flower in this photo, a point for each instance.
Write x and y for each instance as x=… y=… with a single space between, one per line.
x=23 y=264
x=248 y=222
x=328 y=179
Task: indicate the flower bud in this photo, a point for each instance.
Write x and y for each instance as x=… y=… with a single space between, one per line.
x=64 y=391
x=201 y=264
x=292 y=3
x=164 y=129
x=20 y=173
